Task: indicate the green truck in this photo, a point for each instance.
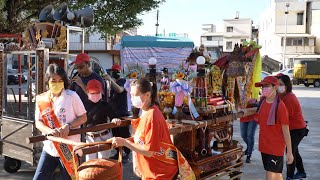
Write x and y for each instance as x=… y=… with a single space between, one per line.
x=307 y=72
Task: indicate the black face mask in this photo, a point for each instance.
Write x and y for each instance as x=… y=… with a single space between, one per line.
x=115 y=75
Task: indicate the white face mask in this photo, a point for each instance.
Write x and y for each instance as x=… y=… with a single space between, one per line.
x=137 y=102
x=281 y=89
x=94 y=97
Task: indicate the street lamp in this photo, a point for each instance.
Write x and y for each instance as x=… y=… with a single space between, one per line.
x=152 y=70
x=201 y=85
x=285 y=36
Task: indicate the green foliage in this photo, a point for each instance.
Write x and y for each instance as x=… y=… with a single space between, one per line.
x=110 y=16
x=113 y=16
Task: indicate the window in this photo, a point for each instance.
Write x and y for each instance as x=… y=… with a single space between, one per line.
x=229 y=29
x=296 y=42
x=311 y=42
x=243 y=40
x=209 y=38
x=300 y=19
x=86 y=38
x=229 y=45
x=306 y=42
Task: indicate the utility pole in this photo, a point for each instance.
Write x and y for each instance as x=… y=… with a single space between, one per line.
x=285 y=37
x=157 y=24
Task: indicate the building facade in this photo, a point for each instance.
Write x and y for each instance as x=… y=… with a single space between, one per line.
x=101 y=49
x=234 y=31
x=285 y=31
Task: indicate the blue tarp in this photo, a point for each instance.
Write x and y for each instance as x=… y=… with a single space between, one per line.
x=156 y=41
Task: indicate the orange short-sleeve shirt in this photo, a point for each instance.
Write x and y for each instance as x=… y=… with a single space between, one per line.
x=271 y=139
x=151 y=130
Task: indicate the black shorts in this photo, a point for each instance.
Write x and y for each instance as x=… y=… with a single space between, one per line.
x=272 y=163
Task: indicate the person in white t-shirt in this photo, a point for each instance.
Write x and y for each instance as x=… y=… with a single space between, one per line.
x=68 y=112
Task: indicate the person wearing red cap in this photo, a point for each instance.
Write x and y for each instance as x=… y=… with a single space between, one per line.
x=274 y=134
x=119 y=102
x=83 y=75
x=297 y=125
x=98 y=112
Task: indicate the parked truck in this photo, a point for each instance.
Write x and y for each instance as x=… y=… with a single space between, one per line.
x=307 y=72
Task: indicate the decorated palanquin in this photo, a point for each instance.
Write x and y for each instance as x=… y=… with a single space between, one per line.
x=54 y=35
x=206 y=97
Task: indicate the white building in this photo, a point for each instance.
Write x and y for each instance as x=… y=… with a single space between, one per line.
x=295 y=28
x=101 y=49
x=234 y=31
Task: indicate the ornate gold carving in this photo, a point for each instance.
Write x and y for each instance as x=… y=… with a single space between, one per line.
x=62 y=39
x=45 y=34
x=38 y=36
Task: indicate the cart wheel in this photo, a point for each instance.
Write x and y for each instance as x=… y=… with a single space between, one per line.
x=11 y=165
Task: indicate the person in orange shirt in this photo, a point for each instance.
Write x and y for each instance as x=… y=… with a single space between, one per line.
x=155 y=157
x=297 y=125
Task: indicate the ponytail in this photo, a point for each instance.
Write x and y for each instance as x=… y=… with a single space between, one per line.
x=154 y=94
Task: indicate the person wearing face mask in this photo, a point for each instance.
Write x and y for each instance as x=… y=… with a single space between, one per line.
x=57 y=111
x=152 y=138
x=98 y=112
x=274 y=135
x=85 y=74
x=118 y=100
x=297 y=125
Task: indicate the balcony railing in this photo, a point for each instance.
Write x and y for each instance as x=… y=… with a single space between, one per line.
x=88 y=46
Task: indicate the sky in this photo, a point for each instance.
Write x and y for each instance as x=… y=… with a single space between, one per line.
x=187 y=16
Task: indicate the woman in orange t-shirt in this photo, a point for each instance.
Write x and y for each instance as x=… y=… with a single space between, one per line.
x=150 y=131
x=297 y=125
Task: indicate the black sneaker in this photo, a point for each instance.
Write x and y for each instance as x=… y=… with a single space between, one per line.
x=248 y=160
x=299 y=175
x=246 y=152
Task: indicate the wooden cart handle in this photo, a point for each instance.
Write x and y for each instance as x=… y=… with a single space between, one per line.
x=95 y=128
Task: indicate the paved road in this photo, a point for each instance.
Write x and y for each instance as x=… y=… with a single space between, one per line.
x=309 y=148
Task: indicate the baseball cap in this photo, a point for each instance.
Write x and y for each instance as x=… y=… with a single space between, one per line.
x=279 y=75
x=268 y=80
x=82 y=57
x=116 y=67
x=94 y=86
x=164 y=69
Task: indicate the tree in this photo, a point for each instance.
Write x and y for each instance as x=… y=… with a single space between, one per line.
x=110 y=16
x=113 y=16
x=15 y=15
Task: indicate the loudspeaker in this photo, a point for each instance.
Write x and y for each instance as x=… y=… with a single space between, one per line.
x=46 y=15
x=86 y=14
x=61 y=13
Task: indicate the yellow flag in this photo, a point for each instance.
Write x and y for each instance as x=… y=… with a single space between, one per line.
x=256 y=77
